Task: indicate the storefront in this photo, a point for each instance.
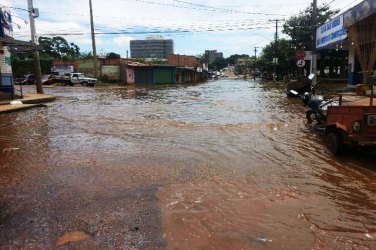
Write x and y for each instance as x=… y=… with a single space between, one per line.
x=332 y=59
x=6 y=79
x=6 y=31
x=347 y=44
x=360 y=23
x=9 y=46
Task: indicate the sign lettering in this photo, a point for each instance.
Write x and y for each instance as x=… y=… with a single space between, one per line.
x=330 y=32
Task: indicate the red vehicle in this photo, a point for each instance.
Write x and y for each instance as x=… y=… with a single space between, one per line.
x=352 y=123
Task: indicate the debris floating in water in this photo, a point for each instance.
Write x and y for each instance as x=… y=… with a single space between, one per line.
x=10 y=149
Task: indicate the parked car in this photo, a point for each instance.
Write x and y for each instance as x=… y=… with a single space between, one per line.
x=48 y=79
x=76 y=78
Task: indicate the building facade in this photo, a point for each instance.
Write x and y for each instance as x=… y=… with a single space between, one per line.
x=183 y=60
x=347 y=44
x=154 y=47
x=212 y=55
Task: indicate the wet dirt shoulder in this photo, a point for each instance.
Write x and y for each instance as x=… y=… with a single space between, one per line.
x=80 y=207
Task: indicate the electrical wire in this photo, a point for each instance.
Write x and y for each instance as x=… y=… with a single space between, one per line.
x=225 y=10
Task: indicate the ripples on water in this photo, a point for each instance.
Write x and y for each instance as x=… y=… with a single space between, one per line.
x=239 y=169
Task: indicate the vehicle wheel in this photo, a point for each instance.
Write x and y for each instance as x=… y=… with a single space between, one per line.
x=311 y=116
x=84 y=83
x=335 y=143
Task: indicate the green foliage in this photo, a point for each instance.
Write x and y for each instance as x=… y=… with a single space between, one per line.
x=86 y=55
x=22 y=67
x=58 y=48
x=158 y=61
x=219 y=63
x=300 y=27
x=113 y=55
x=233 y=58
x=285 y=52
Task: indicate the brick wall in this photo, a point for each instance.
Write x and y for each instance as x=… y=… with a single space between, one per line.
x=182 y=60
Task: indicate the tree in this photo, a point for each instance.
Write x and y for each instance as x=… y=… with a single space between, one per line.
x=58 y=48
x=285 y=53
x=299 y=27
x=86 y=55
x=113 y=55
x=219 y=63
x=233 y=58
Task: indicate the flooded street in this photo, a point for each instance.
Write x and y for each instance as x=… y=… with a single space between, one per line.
x=221 y=165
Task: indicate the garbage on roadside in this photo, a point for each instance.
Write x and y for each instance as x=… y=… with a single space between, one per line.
x=15 y=103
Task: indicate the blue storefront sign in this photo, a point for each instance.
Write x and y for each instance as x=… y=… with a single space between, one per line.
x=331 y=32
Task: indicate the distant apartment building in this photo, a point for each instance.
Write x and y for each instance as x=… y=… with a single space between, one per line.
x=152 y=47
x=212 y=55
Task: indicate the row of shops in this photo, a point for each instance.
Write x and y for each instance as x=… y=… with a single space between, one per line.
x=136 y=72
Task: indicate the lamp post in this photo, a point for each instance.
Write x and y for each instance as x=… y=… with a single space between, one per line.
x=38 y=75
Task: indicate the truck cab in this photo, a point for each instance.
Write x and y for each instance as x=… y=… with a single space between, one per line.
x=80 y=78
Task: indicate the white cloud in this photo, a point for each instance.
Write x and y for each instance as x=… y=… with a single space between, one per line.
x=122 y=41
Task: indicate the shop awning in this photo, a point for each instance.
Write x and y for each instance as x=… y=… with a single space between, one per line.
x=359 y=12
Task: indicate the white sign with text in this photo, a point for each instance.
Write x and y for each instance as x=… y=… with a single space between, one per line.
x=330 y=32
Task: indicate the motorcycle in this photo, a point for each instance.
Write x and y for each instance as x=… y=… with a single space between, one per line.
x=317 y=104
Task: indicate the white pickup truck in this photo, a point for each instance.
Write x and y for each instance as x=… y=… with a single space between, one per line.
x=76 y=78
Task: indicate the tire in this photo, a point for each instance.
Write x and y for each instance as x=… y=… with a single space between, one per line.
x=84 y=83
x=335 y=143
x=311 y=116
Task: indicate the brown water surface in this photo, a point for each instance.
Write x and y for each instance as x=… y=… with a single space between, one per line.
x=221 y=165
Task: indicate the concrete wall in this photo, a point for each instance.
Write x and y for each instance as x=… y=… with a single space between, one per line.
x=110 y=72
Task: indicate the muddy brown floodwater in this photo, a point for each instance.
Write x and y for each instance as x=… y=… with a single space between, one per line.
x=221 y=165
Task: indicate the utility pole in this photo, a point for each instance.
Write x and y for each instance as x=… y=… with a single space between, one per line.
x=276 y=45
x=38 y=74
x=93 y=41
x=313 y=51
x=254 y=72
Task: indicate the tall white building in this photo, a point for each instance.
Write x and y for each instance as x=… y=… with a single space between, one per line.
x=152 y=47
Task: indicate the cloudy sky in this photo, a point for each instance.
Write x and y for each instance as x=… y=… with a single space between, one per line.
x=228 y=26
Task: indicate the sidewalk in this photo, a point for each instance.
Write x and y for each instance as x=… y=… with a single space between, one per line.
x=29 y=100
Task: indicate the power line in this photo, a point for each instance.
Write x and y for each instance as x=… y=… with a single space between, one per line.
x=275 y=44
x=150 y=32
x=226 y=10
